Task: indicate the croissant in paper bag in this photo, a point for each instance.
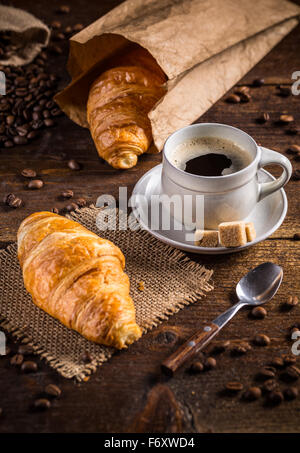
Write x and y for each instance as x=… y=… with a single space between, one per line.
x=78 y=278
x=117 y=112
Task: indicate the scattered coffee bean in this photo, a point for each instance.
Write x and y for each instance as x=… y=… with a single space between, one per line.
x=67 y=193
x=234 y=386
x=296 y=237
x=259 y=312
x=266 y=373
x=269 y=386
x=262 y=340
x=25 y=349
x=292 y=301
x=240 y=349
x=293 y=130
x=17 y=360
x=42 y=404
x=210 y=363
x=286 y=118
x=81 y=202
x=28 y=173
x=242 y=90
x=245 y=97
x=55 y=210
x=19 y=140
x=64 y=9
x=74 y=165
x=86 y=357
x=29 y=366
x=196 y=367
x=233 y=99
x=277 y=362
x=77 y=28
x=48 y=122
x=252 y=394
x=12 y=201
x=284 y=91
x=71 y=207
x=53 y=390
x=221 y=347
x=296 y=175
x=55 y=24
x=258 y=82
x=275 y=398
x=35 y=184
x=291 y=374
x=263 y=118
x=294 y=149
x=290 y=393
x=289 y=359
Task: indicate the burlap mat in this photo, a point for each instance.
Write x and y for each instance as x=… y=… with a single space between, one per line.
x=171 y=281
x=29 y=34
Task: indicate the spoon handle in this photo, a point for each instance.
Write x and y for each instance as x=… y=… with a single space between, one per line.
x=193 y=345
x=198 y=341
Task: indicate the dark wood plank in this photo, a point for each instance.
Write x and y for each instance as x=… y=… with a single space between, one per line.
x=123 y=395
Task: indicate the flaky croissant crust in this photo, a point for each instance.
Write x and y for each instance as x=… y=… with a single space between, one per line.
x=78 y=278
x=117 y=112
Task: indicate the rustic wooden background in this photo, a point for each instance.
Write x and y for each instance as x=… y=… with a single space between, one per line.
x=128 y=393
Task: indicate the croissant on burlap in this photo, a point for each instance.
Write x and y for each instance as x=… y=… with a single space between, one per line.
x=117 y=112
x=78 y=278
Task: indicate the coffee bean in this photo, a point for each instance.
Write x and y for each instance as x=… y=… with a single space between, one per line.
x=67 y=193
x=196 y=367
x=277 y=362
x=55 y=24
x=245 y=97
x=292 y=130
x=234 y=386
x=12 y=201
x=240 y=349
x=296 y=175
x=17 y=360
x=294 y=149
x=291 y=374
x=242 y=90
x=252 y=394
x=25 y=349
x=286 y=118
x=8 y=144
x=263 y=118
x=269 y=386
x=284 y=91
x=86 y=357
x=258 y=82
x=289 y=359
x=73 y=165
x=233 y=99
x=261 y=340
x=77 y=28
x=28 y=173
x=210 y=363
x=71 y=207
x=292 y=301
x=81 y=202
x=49 y=122
x=9 y=198
x=35 y=184
x=64 y=9
x=29 y=366
x=266 y=373
x=275 y=398
x=53 y=390
x=296 y=237
x=221 y=347
x=42 y=404
x=55 y=210
x=290 y=393
x=259 y=312
x=19 y=140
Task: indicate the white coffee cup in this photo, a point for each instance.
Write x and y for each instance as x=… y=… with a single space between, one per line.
x=229 y=197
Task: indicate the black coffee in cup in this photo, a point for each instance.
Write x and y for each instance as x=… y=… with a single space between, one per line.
x=210 y=156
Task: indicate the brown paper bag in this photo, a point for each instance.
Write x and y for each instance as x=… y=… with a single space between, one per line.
x=203 y=46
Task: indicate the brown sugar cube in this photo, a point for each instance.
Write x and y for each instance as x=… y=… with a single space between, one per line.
x=232 y=234
x=250 y=231
x=207 y=238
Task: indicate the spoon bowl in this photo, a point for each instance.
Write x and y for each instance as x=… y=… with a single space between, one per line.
x=260 y=284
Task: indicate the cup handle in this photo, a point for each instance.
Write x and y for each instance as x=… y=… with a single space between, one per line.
x=272 y=157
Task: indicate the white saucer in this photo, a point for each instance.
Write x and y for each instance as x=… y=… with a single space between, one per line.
x=267 y=215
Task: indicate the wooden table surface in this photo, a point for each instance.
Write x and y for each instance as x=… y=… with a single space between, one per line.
x=128 y=394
